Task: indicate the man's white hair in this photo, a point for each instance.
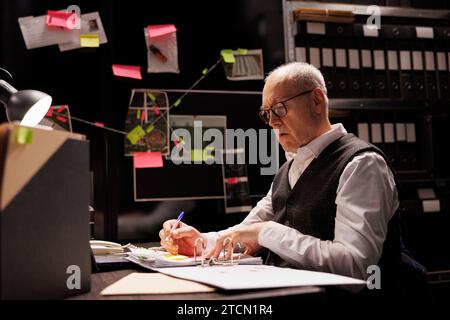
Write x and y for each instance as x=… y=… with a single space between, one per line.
x=304 y=75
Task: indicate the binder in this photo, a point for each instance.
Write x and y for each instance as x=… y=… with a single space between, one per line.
x=340 y=55
x=400 y=137
x=392 y=35
x=431 y=75
x=381 y=89
x=443 y=67
x=389 y=142
x=328 y=70
x=418 y=68
x=406 y=75
x=354 y=74
x=367 y=71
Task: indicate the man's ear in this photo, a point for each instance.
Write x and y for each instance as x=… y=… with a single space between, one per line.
x=318 y=96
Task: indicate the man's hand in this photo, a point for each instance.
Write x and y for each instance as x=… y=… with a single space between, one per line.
x=246 y=236
x=182 y=239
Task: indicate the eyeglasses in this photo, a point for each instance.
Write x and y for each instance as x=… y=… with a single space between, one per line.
x=279 y=109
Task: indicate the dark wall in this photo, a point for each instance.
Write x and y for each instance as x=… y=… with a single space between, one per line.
x=83 y=79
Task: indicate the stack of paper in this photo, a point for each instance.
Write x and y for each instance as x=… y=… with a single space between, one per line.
x=161 y=259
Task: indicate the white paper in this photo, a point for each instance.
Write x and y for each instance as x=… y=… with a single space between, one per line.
x=441 y=62
x=353 y=58
x=300 y=54
x=425 y=32
x=341 y=58
x=376 y=132
x=410 y=132
x=314 y=55
x=400 y=131
x=417 y=60
x=392 y=60
x=37 y=34
x=429 y=61
x=389 y=133
x=91 y=23
x=366 y=58
x=363 y=131
x=258 y=277
x=405 y=60
x=315 y=28
x=431 y=205
x=327 y=57
x=379 y=60
x=426 y=193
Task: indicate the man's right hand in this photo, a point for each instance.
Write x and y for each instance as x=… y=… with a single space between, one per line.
x=183 y=236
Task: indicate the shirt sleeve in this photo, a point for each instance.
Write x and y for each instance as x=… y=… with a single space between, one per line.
x=366 y=199
x=261 y=212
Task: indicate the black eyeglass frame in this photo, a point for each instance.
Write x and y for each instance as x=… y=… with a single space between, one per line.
x=262 y=112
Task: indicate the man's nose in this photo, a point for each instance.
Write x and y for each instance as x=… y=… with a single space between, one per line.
x=274 y=120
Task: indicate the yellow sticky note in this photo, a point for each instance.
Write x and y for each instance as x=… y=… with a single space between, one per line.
x=242 y=51
x=150 y=128
x=227 y=55
x=138 y=114
x=136 y=134
x=151 y=96
x=89 y=40
x=24 y=136
x=205 y=71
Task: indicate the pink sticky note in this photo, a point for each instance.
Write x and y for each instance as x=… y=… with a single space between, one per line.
x=61 y=109
x=143 y=115
x=147 y=160
x=67 y=20
x=127 y=71
x=99 y=124
x=62 y=119
x=50 y=112
x=155 y=110
x=160 y=30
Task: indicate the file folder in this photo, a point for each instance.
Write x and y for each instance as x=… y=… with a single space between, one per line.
x=392 y=34
x=340 y=55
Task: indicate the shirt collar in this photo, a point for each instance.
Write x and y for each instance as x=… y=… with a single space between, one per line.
x=316 y=146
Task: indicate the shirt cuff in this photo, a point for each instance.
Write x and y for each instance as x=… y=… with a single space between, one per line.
x=211 y=238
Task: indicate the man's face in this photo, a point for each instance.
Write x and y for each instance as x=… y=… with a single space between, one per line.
x=299 y=126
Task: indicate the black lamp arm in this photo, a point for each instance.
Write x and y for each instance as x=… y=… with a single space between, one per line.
x=6 y=90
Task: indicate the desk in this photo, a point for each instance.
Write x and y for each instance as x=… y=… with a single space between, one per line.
x=99 y=281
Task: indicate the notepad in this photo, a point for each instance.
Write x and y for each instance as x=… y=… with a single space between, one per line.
x=153 y=283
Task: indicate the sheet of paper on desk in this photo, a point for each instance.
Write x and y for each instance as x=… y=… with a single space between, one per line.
x=258 y=277
x=153 y=283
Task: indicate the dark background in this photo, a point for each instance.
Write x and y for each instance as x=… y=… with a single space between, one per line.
x=83 y=80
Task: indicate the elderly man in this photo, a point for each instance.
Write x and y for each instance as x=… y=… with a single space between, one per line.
x=332 y=206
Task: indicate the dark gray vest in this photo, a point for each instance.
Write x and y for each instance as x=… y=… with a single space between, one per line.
x=310 y=206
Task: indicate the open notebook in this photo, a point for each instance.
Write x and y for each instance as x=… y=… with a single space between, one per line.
x=150 y=258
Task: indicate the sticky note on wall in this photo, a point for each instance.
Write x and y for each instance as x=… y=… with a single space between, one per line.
x=227 y=55
x=64 y=19
x=147 y=160
x=160 y=30
x=126 y=71
x=89 y=40
x=136 y=134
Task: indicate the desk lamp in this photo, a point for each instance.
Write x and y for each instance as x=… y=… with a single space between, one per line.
x=27 y=106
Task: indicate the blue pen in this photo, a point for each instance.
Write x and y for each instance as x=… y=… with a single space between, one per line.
x=180 y=216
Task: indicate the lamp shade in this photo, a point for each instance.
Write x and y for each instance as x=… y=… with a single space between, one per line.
x=27 y=106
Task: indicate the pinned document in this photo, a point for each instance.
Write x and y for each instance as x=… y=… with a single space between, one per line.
x=162 y=48
x=243 y=64
x=127 y=71
x=136 y=134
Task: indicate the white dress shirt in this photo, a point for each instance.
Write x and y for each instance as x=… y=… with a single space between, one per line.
x=366 y=199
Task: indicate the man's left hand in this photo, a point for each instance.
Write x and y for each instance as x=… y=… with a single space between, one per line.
x=246 y=236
